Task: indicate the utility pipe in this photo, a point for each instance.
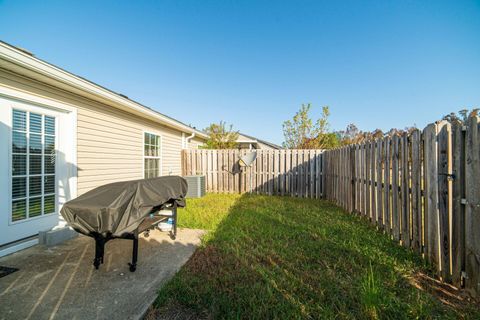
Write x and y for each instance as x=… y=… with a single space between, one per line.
x=187 y=139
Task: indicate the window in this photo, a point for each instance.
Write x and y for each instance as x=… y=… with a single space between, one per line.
x=152 y=155
x=33 y=165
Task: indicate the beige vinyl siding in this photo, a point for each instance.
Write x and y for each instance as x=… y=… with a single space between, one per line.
x=110 y=146
x=195 y=143
x=109 y=140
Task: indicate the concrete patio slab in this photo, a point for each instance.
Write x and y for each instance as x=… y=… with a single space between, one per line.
x=60 y=282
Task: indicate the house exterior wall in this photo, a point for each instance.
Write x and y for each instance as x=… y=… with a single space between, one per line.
x=196 y=143
x=110 y=147
x=244 y=142
x=109 y=140
x=265 y=146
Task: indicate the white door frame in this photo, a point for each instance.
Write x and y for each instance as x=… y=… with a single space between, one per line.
x=65 y=170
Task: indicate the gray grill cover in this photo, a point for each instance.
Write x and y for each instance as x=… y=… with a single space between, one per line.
x=119 y=208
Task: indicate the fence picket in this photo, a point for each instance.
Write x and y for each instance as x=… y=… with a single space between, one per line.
x=404 y=191
x=386 y=185
x=395 y=202
x=416 y=192
x=431 y=196
x=379 y=183
x=472 y=209
x=444 y=196
x=458 y=209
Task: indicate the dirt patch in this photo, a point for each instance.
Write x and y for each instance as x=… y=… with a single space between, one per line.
x=446 y=293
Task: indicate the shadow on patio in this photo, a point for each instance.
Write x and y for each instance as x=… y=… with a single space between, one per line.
x=60 y=282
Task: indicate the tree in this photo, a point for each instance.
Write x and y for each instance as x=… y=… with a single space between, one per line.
x=351 y=135
x=302 y=133
x=462 y=115
x=219 y=137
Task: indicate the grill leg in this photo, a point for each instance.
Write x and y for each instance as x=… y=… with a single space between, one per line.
x=99 y=252
x=173 y=234
x=133 y=265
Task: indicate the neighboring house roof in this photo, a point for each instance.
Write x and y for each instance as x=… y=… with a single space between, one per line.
x=243 y=138
x=25 y=63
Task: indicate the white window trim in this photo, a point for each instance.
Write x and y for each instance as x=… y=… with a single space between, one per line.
x=160 y=157
x=18 y=98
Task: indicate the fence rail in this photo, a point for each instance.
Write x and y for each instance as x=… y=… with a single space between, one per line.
x=421 y=188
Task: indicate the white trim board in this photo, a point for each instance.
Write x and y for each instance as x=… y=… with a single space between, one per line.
x=17 y=246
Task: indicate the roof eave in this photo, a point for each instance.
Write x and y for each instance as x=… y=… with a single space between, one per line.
x=17 y=57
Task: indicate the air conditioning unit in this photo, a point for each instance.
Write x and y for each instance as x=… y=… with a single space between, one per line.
x=196 y=186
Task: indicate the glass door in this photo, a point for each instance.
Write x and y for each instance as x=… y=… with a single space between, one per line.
x=29 y=133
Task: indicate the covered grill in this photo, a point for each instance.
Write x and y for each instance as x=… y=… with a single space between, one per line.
x=124 y=210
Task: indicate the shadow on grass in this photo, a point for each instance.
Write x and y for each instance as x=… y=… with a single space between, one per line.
x=282 y=257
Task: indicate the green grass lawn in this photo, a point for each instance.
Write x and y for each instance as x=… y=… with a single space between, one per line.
x=278 y=257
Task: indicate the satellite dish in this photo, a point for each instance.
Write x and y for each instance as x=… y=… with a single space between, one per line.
x=247 y=160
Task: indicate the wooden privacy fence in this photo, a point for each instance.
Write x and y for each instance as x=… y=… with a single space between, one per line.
x=274 y=172
x=422 y=188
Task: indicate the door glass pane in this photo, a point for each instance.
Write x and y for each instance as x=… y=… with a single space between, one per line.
x=35 y=143
x=49 y=125
x=19 y=164
x=49 y=164
x=49 y=184
x=34 y=207
x=19 y=187
x=35 y=123
x=19 y=142
x=49 y=204
x=35 y=186
x=49 y=145
x=19 y=120
x=35 y=166
x=19 y=211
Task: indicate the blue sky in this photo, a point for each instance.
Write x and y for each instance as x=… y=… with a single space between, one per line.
x=378 y=64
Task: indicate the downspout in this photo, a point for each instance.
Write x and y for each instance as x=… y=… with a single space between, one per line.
x=187 y=139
